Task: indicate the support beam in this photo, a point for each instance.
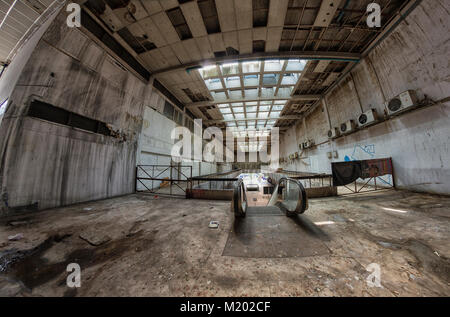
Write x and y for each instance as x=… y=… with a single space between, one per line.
x=338 y=56
x=290 y=117
x=290 y=98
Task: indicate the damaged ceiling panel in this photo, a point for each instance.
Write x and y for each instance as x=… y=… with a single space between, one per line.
x=175 y=38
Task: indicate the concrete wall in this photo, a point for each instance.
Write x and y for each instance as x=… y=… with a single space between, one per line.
x=51 y=164
x=414 y=56
x=45 y=164
x=155 y=143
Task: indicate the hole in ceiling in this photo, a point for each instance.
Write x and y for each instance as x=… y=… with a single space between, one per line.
x=178 y=21
x=208 y=11
x=260 y=13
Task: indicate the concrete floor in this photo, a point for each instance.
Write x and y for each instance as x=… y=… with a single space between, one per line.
x=163 y=247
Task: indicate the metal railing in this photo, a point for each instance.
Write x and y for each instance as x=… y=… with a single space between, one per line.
x=289 y=195
x=293 y=198
x=171 y=180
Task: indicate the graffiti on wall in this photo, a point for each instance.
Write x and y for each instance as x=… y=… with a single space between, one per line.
x=361 y=152
x=366 y=152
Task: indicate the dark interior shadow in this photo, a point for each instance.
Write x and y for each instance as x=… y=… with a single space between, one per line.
x=241 y=230
x=238 y=224
x=310 y=228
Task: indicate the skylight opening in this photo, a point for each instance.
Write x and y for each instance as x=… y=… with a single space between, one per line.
x=225 y=110
x=239 y=81
x=251 y=67
x=238 y=109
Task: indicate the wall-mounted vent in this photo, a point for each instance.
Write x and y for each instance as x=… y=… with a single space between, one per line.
x=48 y=112
x=405 y=101
x=368 y=118
x=333 y=133
x=348 y=127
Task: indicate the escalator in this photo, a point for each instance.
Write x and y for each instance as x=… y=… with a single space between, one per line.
x=289 y=197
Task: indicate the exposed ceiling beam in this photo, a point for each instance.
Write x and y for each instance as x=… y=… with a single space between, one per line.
x=290 y=98
x=290 y=117
x=340 y=56
x=326 y=13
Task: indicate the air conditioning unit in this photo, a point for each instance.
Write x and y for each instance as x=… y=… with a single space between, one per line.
x=333 y=133
x=308 y=144
x=368 y=118
x=405 y=101
x=348 y=127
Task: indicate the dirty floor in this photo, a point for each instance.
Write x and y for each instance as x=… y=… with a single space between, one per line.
x=139 y=245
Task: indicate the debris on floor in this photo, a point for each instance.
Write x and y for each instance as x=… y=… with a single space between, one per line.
x=15 y=237
x=214 y=225
x=94 y=238
x=18 y=223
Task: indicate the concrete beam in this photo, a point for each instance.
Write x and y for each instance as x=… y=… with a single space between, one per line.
x=291 y=98
x=339 y=56
x=225 y=12
x=244 y=14
x=277 y=12
x=290 y=117
x=326 y=12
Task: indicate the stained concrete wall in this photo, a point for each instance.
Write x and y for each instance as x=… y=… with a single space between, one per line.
x=414 y=56
x=155 y=143
x=45 y=164
x=51 y=164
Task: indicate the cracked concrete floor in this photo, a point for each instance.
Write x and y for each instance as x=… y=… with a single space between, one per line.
x=137 y=245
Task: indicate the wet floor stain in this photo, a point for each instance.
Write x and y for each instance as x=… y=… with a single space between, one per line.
x=32 y=269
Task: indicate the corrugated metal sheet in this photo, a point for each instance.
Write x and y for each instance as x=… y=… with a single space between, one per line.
x=16 y=19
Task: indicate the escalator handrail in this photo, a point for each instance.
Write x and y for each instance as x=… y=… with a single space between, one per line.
x=238 y=209
x=302 y=203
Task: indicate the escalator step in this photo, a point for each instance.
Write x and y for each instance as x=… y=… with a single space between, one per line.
x=264 y=210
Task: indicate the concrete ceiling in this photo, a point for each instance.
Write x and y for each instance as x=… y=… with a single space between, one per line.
x=173 y=39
